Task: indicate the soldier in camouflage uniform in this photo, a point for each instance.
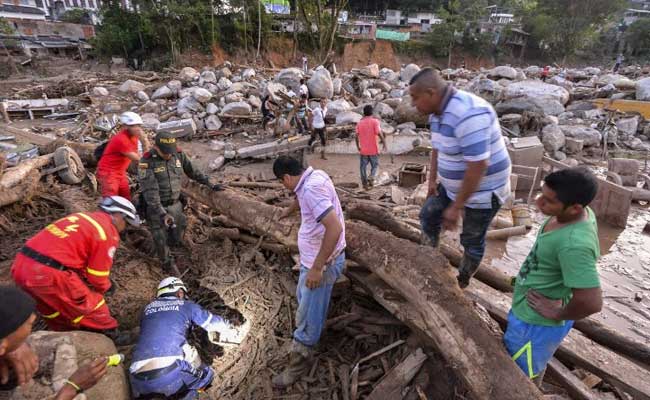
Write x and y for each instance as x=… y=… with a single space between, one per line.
x=160 y=173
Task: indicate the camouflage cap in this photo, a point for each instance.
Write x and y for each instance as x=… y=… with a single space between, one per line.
x=166 y=142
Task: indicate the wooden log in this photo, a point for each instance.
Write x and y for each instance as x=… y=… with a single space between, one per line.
x=256 y=185
x=505 y=233
x=393 y=383
x=573 y=385
x=422 y=276
x=576 y=349
x=15 y=175
x=460 y=335
x=22 y=190
x=383 y=219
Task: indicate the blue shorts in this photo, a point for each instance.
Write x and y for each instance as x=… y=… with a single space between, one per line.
x=533 y=346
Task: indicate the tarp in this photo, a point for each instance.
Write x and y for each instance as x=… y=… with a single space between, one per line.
x=392 y=35
x=277 y=6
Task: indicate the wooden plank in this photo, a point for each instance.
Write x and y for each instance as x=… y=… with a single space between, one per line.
x=574 y=386
x=391 y=386
x=576 y=349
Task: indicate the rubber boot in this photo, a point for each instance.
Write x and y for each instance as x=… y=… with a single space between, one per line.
x=467 y=269
x=170 y=268
x=299 y=366
x=371 y=182
x=322 y=155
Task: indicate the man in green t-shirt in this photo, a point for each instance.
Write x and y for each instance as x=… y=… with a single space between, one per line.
x=558 y=283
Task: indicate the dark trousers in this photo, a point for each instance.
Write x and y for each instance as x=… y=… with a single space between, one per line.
x=475 y=223
x=164 y=236
x=363 y=165
x=318 y=132
x=301 y=124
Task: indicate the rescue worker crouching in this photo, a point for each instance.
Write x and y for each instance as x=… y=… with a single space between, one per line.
x=66 y=267
x=160 y=174
x=163 y=362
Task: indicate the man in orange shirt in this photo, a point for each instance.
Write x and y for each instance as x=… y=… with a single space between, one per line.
x=118 y=154
x=368 y=129
x=66 y=266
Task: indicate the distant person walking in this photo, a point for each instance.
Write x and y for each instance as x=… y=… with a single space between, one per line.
x=305 y=64
x=317 y=120
x=619 y=61
x=545 y=73
x=368 y=129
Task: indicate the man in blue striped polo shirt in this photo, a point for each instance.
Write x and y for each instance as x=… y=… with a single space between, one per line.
x=470 y=166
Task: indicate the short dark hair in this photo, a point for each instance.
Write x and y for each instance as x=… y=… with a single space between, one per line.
x=577 y=185
x=367 y=110
x=303 y=96
x=285 y=165
x=302 y=80
x=428 y=78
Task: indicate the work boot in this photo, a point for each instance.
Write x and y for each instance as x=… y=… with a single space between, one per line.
x=371 y=182
x=467 y=269
x=299 y=365
x=322 y=155
x=170 y=268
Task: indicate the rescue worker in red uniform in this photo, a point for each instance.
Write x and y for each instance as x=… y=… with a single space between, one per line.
x=120 y=150
x=66 y=266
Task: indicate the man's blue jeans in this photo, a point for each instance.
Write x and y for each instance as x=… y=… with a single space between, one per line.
x=374 y=163
x=475 y=223
x=313 y=303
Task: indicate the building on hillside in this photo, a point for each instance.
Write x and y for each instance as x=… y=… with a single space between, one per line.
x=22 y=9
x=37 y=37
x=358 y=30
x=48 y=9
x=412 y=25
x=631 y=15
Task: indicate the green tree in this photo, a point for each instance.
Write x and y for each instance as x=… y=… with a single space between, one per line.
x=637 y=37
x=314 y=13
x=5 y=27
x=561 y=27
x=76 y=16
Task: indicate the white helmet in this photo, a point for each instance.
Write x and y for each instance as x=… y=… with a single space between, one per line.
x=170 y=285
x=130 y=118
x=118 y=204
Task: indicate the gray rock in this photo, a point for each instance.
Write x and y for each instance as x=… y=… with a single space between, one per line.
x=163 y=92
x=408 y=72
x=538 y=90
x=337 y=85
x=212 y=108
x=272 y=88
x=151 y=107
x=150 y=121
x=248 y=73
x=503 y=72
x=406 y=112
x=337 y=107
x=533 y=70
x=643 y=89
x=188 y=105
x=131 y=87
x=382 y=85
x=142 y=96
x=553 y=138
x=225 y=72
x=636 y=144
x=234 y=97
x=519 y=105
x=388 y=74
x=224 y=83
x=396 y=93
x=608 y=79
x=208 y=77
x=393 y=102
x=202 y=95
x=559 y=156
x=406 y=125
x=238 y=108
x=627 y=126
x=520 y=76
x=212 y=123
x=290 y=77
x=590 y=136
x=487 y=89
x=348 y=117
x=371 y=70
x=100 y=91
x=320 y=84
x=592 y=71
x=175 y=86
x=217 y=163
x=580 y=106
x=384 y=110
x=112 y=108
x=217 y=145
x=255 y=101
x=188 y=74
x=387 y=128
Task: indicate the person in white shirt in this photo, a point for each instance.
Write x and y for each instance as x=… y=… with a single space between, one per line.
x=304 y=90
x=317 y=121
x=304 y=64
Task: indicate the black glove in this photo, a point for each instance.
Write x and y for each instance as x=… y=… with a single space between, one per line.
x=217 y=187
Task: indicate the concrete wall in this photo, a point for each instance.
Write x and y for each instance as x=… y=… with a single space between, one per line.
x=10 y=15
x=64 y=29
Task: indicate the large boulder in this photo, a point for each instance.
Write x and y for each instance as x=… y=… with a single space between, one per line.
x=348 y=117
x=163 y=92
x=99 y=91
x=337 y=85
x=202 y=95
x=208 y=77
x=384 y=110
x=237 y=108
x=142 y=96
x=320 y=84
x=487 y=89
x=627 y=126
x=212 y=123
x=625 y=84
x=336 y=107
x=531 y=104
x=234 y=97
x=248 y=73
x=224 y=83
x=188 y=74
x=503 y=71
x=272 y=89
x=408 y=72
x=590 y=136
x=211 y=108
x=643 y=89
x=175 y=86
x=382 y=85
x=131 y=87
x=290 y=77
x=371 y=70
x=150 y=121
x=536 y=89
x=255 y=101
x=608 y=79
x=406 y=112
x=553 y=138
x=188 y=105
x=388 y=75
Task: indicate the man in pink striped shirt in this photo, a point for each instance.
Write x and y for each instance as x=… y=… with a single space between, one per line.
x=321 y=243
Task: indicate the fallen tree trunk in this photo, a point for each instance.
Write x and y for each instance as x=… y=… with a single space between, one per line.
x=22 y=190
x=85 y=151
x=391 y=386
x=460 y=335
x=13 y=176
x=591 y=327
x=574 y=386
